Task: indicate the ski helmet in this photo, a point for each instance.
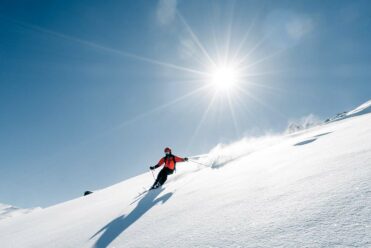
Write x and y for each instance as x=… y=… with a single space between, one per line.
x=167 y=149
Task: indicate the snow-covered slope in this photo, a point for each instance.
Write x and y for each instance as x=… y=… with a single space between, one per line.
x=363 y=109
x=309 y=189
x=7 y=211
x=360 y=110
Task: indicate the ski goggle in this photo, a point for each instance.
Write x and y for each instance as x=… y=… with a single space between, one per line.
x=167 y=152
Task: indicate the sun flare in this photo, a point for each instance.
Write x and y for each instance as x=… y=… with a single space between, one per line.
x=224 y=78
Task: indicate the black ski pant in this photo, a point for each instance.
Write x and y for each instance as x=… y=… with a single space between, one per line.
x=162 y=176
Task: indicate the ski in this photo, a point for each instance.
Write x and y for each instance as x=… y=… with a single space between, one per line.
x=142 y=193
x=138 y=197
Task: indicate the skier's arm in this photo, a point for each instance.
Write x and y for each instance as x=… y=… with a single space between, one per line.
x=161 y=162
x=158 y=164
x=179 y=159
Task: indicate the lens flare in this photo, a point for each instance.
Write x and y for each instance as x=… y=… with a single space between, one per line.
x=224 y=78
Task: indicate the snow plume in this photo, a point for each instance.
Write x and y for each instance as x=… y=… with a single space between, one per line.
x=303 y=123
x=223 y=154
x=166 y=11
x=7 y=211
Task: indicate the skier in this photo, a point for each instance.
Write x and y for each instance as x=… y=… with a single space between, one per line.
x=169 y=160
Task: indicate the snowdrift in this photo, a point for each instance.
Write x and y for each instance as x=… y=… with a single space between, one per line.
x=308 y=189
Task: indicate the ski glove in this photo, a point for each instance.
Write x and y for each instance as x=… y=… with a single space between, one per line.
x=185 y=159
x=152 y=167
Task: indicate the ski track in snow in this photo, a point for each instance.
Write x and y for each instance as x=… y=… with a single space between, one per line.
x=308 y=189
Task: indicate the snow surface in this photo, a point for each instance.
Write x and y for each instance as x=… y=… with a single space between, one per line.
x=308 y=189
x=363 y=109
x=8 y=211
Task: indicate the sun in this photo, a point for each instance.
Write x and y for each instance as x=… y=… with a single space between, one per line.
x=223 y=78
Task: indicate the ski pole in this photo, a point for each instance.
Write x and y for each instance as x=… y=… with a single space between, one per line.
x=194 y=161
x=153 y=175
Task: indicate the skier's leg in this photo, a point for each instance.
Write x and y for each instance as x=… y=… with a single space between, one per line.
x=163 y=179
x=167 y=172
x=156 y=181
x=159 y=178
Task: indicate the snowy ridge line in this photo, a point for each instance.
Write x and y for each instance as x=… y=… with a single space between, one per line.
x=364 y=108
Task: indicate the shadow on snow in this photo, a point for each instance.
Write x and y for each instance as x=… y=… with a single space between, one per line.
x=117 y=226
x=310 y=140
x=305 y=142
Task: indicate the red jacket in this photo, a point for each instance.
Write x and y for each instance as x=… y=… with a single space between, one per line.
x=169 y=161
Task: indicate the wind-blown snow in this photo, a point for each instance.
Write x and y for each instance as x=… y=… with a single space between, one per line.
x=308 y=189
x=222 y=154
x=7 y=211
x=303 y=123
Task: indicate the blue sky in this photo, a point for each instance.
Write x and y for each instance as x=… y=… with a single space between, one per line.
x=92 y=91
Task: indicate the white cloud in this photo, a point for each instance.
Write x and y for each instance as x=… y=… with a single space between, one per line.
x=166 y=11
x=299 y=26
x=187 y=48
x=286 y=28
